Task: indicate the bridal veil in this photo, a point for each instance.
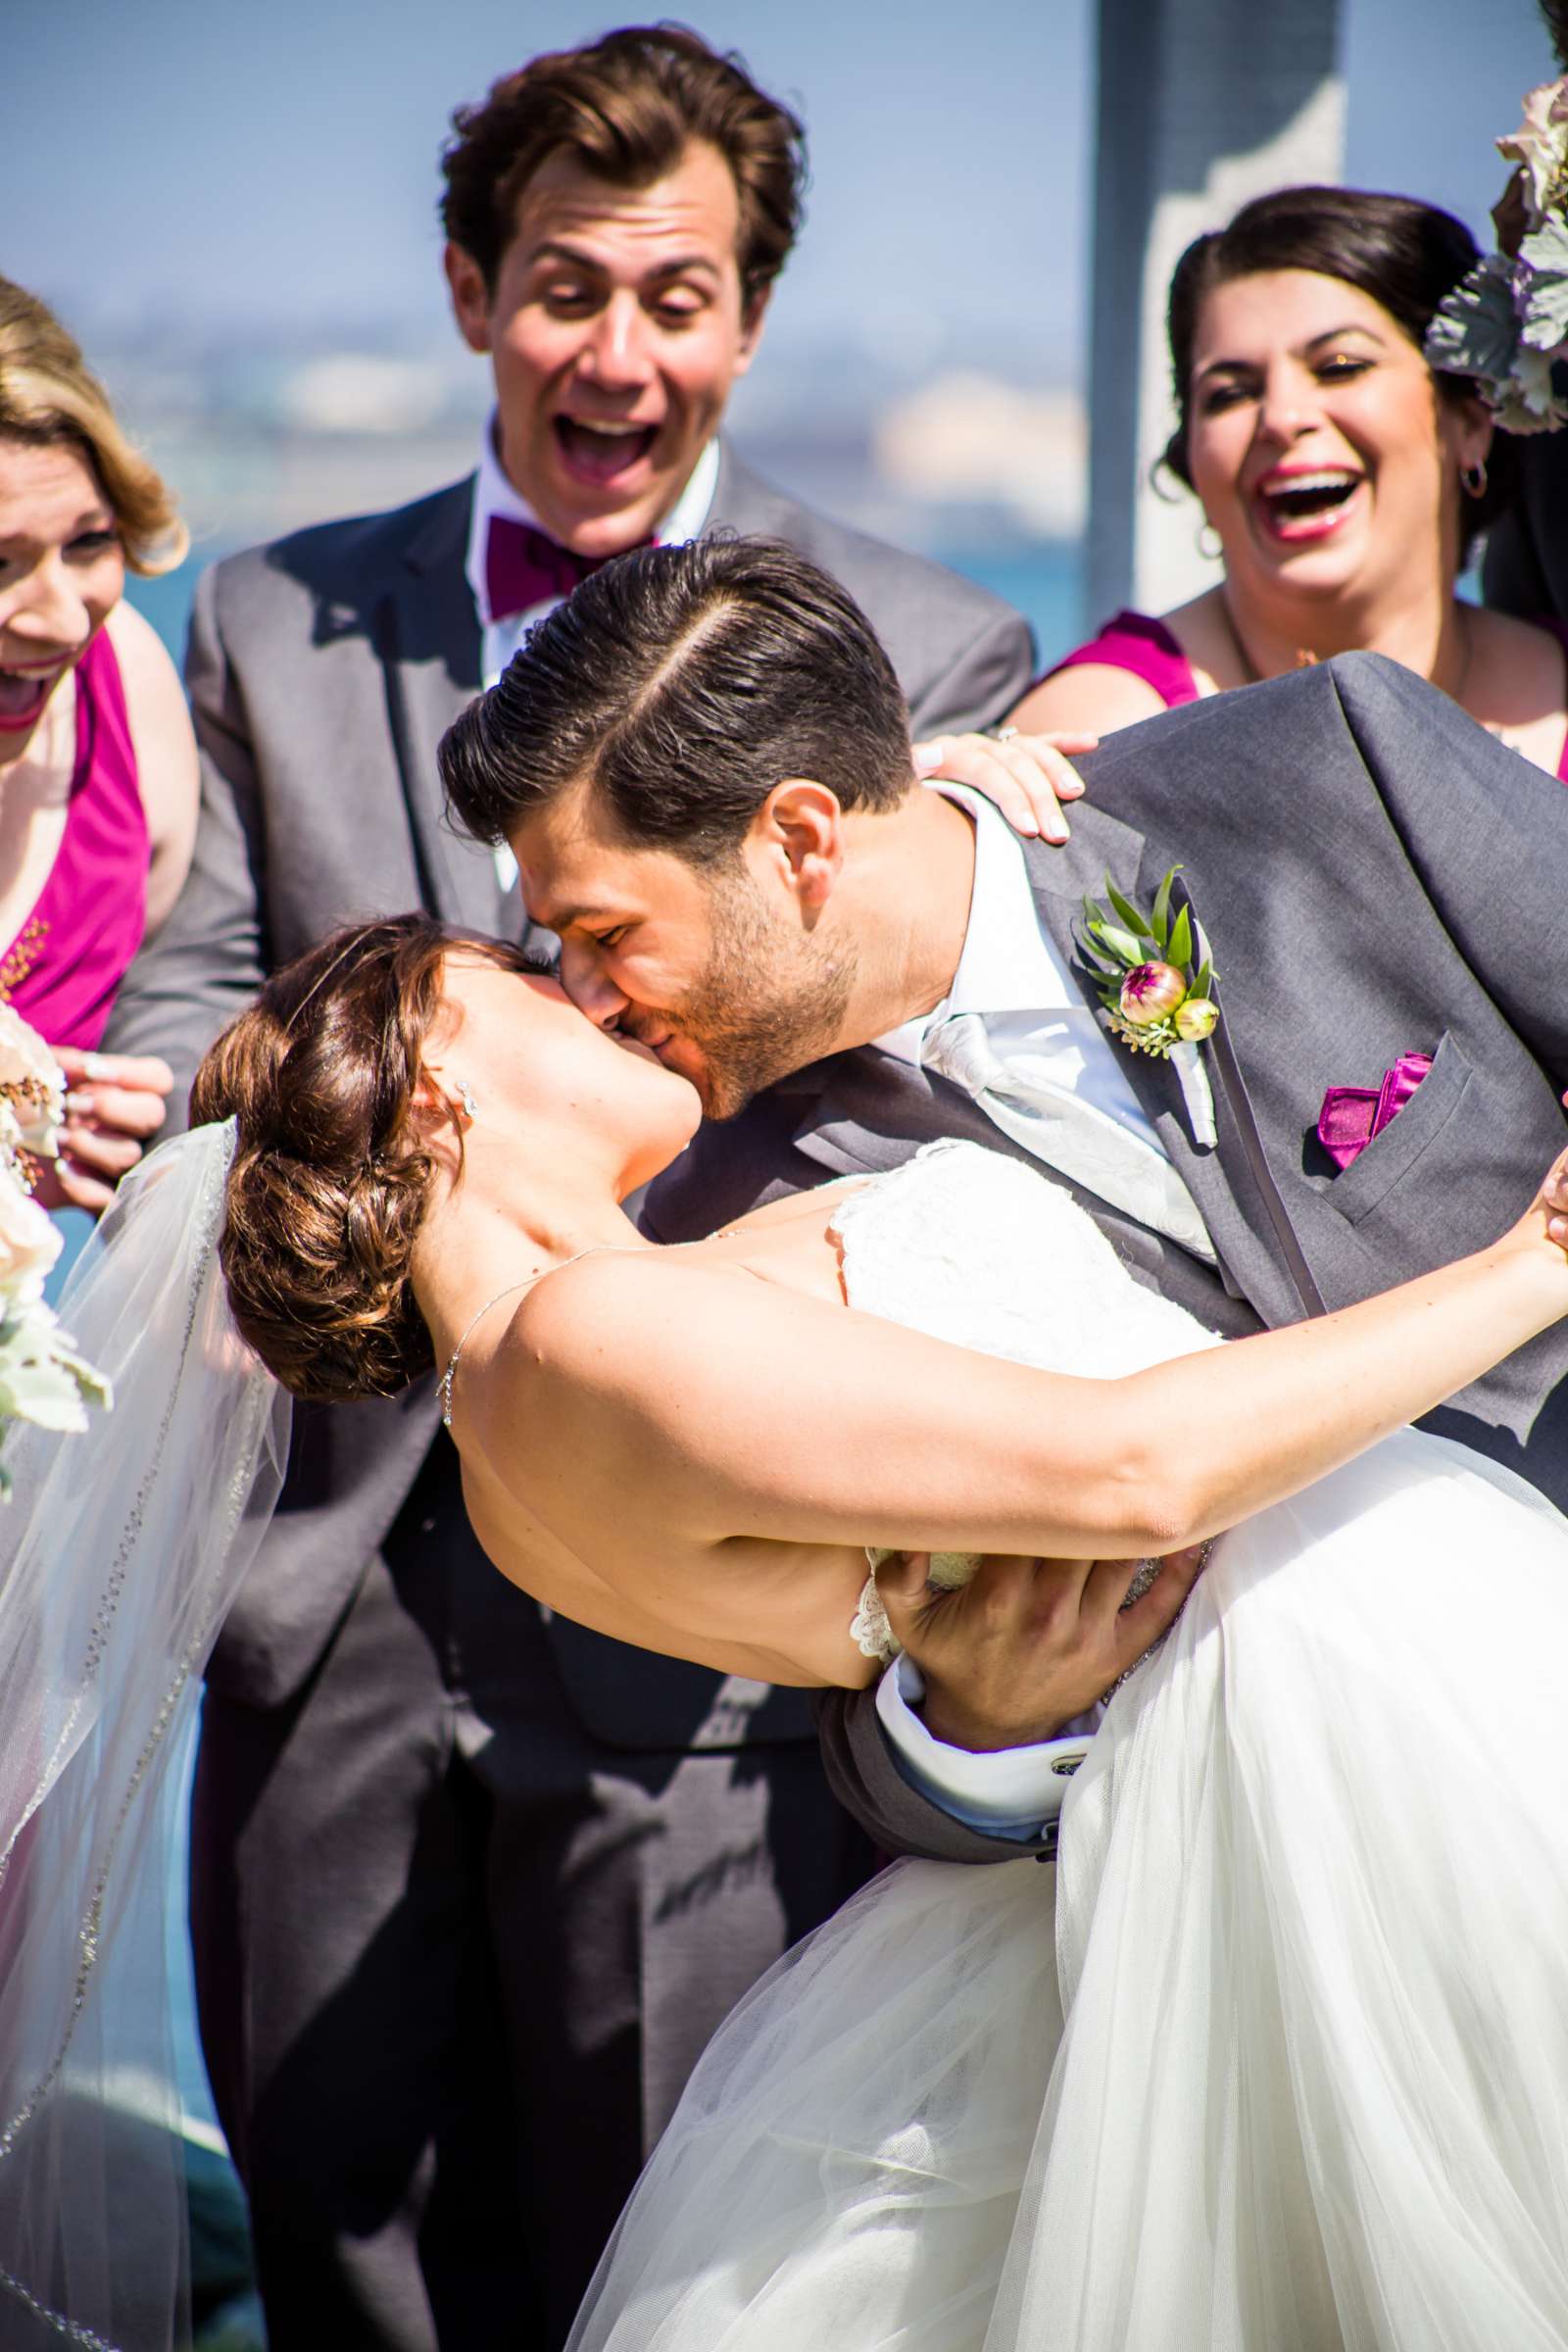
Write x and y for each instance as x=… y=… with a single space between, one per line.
x=120 y=1551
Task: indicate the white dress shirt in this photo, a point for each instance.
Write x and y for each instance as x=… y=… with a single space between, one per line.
x=1010 y=973
x=494 y=492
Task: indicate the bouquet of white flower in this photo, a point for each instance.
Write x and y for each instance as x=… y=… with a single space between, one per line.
x=42 y=1377
x=1506 y=324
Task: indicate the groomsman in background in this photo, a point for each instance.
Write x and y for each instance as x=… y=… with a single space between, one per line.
x=472 y=1887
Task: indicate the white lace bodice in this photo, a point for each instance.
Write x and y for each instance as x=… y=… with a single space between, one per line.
x=989 y=1253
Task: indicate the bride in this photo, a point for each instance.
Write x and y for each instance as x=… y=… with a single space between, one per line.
x=1274 y=2059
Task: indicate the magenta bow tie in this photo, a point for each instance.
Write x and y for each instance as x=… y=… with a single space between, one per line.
x=524 y=567
x=1351 y=1115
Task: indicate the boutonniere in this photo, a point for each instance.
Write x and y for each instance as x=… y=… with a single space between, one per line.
x=1155 y=979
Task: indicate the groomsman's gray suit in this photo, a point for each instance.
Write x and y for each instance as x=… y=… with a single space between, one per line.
x=473 y=1886
x=1376 y=875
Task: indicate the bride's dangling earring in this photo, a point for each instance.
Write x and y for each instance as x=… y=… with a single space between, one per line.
x=466 y=1098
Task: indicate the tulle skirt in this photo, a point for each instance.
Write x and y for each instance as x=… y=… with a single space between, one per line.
x=1275 y=2059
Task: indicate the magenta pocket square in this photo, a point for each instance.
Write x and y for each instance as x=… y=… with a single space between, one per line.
x=1351 y=1115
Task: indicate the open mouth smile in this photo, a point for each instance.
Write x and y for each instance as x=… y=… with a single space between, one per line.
x=24 y=694
x=1305 y=503
x=601 y=454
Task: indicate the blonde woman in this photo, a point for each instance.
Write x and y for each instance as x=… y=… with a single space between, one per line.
x=98 y=776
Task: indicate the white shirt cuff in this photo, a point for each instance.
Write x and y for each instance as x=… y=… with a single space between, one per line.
x=1006 y=1792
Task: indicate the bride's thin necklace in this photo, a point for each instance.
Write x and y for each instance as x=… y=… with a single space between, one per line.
x=526 y=1281
x=538 y=1275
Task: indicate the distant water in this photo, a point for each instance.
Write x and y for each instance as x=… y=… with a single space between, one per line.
x=167 y=602
x=1044 y=581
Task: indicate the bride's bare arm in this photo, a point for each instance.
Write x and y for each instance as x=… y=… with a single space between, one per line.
x=680 y=1417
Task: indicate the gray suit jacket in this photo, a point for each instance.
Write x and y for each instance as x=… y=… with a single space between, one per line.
x=323 y=672
x=1377 y=875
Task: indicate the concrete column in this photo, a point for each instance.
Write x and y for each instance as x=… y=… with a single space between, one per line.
x=1200 y=104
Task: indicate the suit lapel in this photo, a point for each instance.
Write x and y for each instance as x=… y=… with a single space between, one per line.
x=1235 y=1194
x=426 y=637
x=1062 y=879
x=861 y=1113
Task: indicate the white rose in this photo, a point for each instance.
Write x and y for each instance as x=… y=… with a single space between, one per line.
x=1541 y=144
x=42 y=1378
x=1527 y=404
x=32 y=1086
x=29 y=1241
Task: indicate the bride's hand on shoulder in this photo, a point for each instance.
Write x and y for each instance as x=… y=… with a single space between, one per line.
x=1527 y=1266
x=1027 y=776
x=1027 y=1643
x=1547 y=1214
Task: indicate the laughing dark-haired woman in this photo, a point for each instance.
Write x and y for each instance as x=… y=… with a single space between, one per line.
x=1344 y=479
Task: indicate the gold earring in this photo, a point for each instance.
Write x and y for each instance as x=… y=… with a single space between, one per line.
x=1474 y=478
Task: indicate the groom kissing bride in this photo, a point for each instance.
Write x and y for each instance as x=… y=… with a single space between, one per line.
x=846 y=976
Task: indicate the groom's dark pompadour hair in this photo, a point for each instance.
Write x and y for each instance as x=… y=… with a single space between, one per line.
x=627 y=108
x=683 y=683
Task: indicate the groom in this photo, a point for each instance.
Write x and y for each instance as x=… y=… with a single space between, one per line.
x=701 y=764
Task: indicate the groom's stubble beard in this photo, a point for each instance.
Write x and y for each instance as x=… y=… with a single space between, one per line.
x=771 y=999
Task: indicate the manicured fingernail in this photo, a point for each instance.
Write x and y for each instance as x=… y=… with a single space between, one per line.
x=79 y=1104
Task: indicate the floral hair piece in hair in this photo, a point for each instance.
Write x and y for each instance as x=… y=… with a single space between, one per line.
x=1507 y=321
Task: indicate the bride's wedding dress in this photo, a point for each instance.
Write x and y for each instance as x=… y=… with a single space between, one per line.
x=1275 y=2059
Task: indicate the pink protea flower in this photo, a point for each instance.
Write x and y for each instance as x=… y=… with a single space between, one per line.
x=1150 y=991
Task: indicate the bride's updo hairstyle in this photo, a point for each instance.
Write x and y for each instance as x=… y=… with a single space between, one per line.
x=331 y=1173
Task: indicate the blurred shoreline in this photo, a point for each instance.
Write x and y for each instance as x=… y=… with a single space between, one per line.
x=978 y=470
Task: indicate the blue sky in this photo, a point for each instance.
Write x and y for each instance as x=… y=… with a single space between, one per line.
x=259 y=164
